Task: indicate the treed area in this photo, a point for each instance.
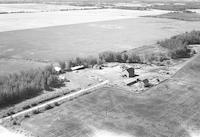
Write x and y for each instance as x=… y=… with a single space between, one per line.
x=26 y=84
x=178 y=45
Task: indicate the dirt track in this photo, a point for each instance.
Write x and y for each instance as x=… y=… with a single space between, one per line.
x=60 y=99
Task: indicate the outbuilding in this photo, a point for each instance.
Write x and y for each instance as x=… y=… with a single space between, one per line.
x=129 y=72
x=77 y=67
x=58 y=69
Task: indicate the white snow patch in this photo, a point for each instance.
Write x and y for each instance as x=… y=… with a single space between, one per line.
x=105 y=133
x=6 y=133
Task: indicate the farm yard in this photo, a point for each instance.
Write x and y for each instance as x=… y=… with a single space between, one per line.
x=104 y=68
x=169 y=109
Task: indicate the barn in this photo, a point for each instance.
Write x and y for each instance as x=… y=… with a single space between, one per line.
x=129 y=72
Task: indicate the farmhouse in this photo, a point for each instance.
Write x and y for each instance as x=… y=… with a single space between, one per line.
x=128 y=72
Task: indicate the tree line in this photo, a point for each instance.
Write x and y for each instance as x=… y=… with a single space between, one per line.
x=26 y=84
x=176 y=46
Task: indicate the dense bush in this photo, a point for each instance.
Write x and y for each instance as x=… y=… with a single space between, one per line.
x=88 y=61
x=132 y=57
x=26 y=84
x=121 y=57
x=124 y=57
x=108 y=56
x=178 y=45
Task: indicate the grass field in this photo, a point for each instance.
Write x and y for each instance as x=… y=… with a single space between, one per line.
x=170 y=109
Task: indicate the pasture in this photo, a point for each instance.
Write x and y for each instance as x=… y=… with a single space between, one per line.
x=169 y=109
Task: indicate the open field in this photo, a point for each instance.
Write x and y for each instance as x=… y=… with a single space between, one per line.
x=63 y=1
x=10 y=22
x=64 y=42
x=170 y=109
x=92 y=1
x=36 y=7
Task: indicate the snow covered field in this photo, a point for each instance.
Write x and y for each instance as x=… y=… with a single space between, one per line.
x=6 y=133
x=35 y=7
x=19 y=21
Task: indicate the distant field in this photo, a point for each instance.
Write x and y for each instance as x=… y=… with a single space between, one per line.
x=37 y=7
x=64 y=42
x=93 y=1
x=177 y=5
x=63 y=1
x=187 y=16
x=19 y=21
x=171 y=109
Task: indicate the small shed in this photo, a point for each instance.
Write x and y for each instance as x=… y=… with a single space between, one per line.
x=146 y=83
x=77 y=67
x=132 y=81
x=129 y=72
x=97 y=66
x=58 y=69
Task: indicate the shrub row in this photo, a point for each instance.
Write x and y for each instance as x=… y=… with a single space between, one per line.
x=121 y=57
x=26 y=84
x=178 y=45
